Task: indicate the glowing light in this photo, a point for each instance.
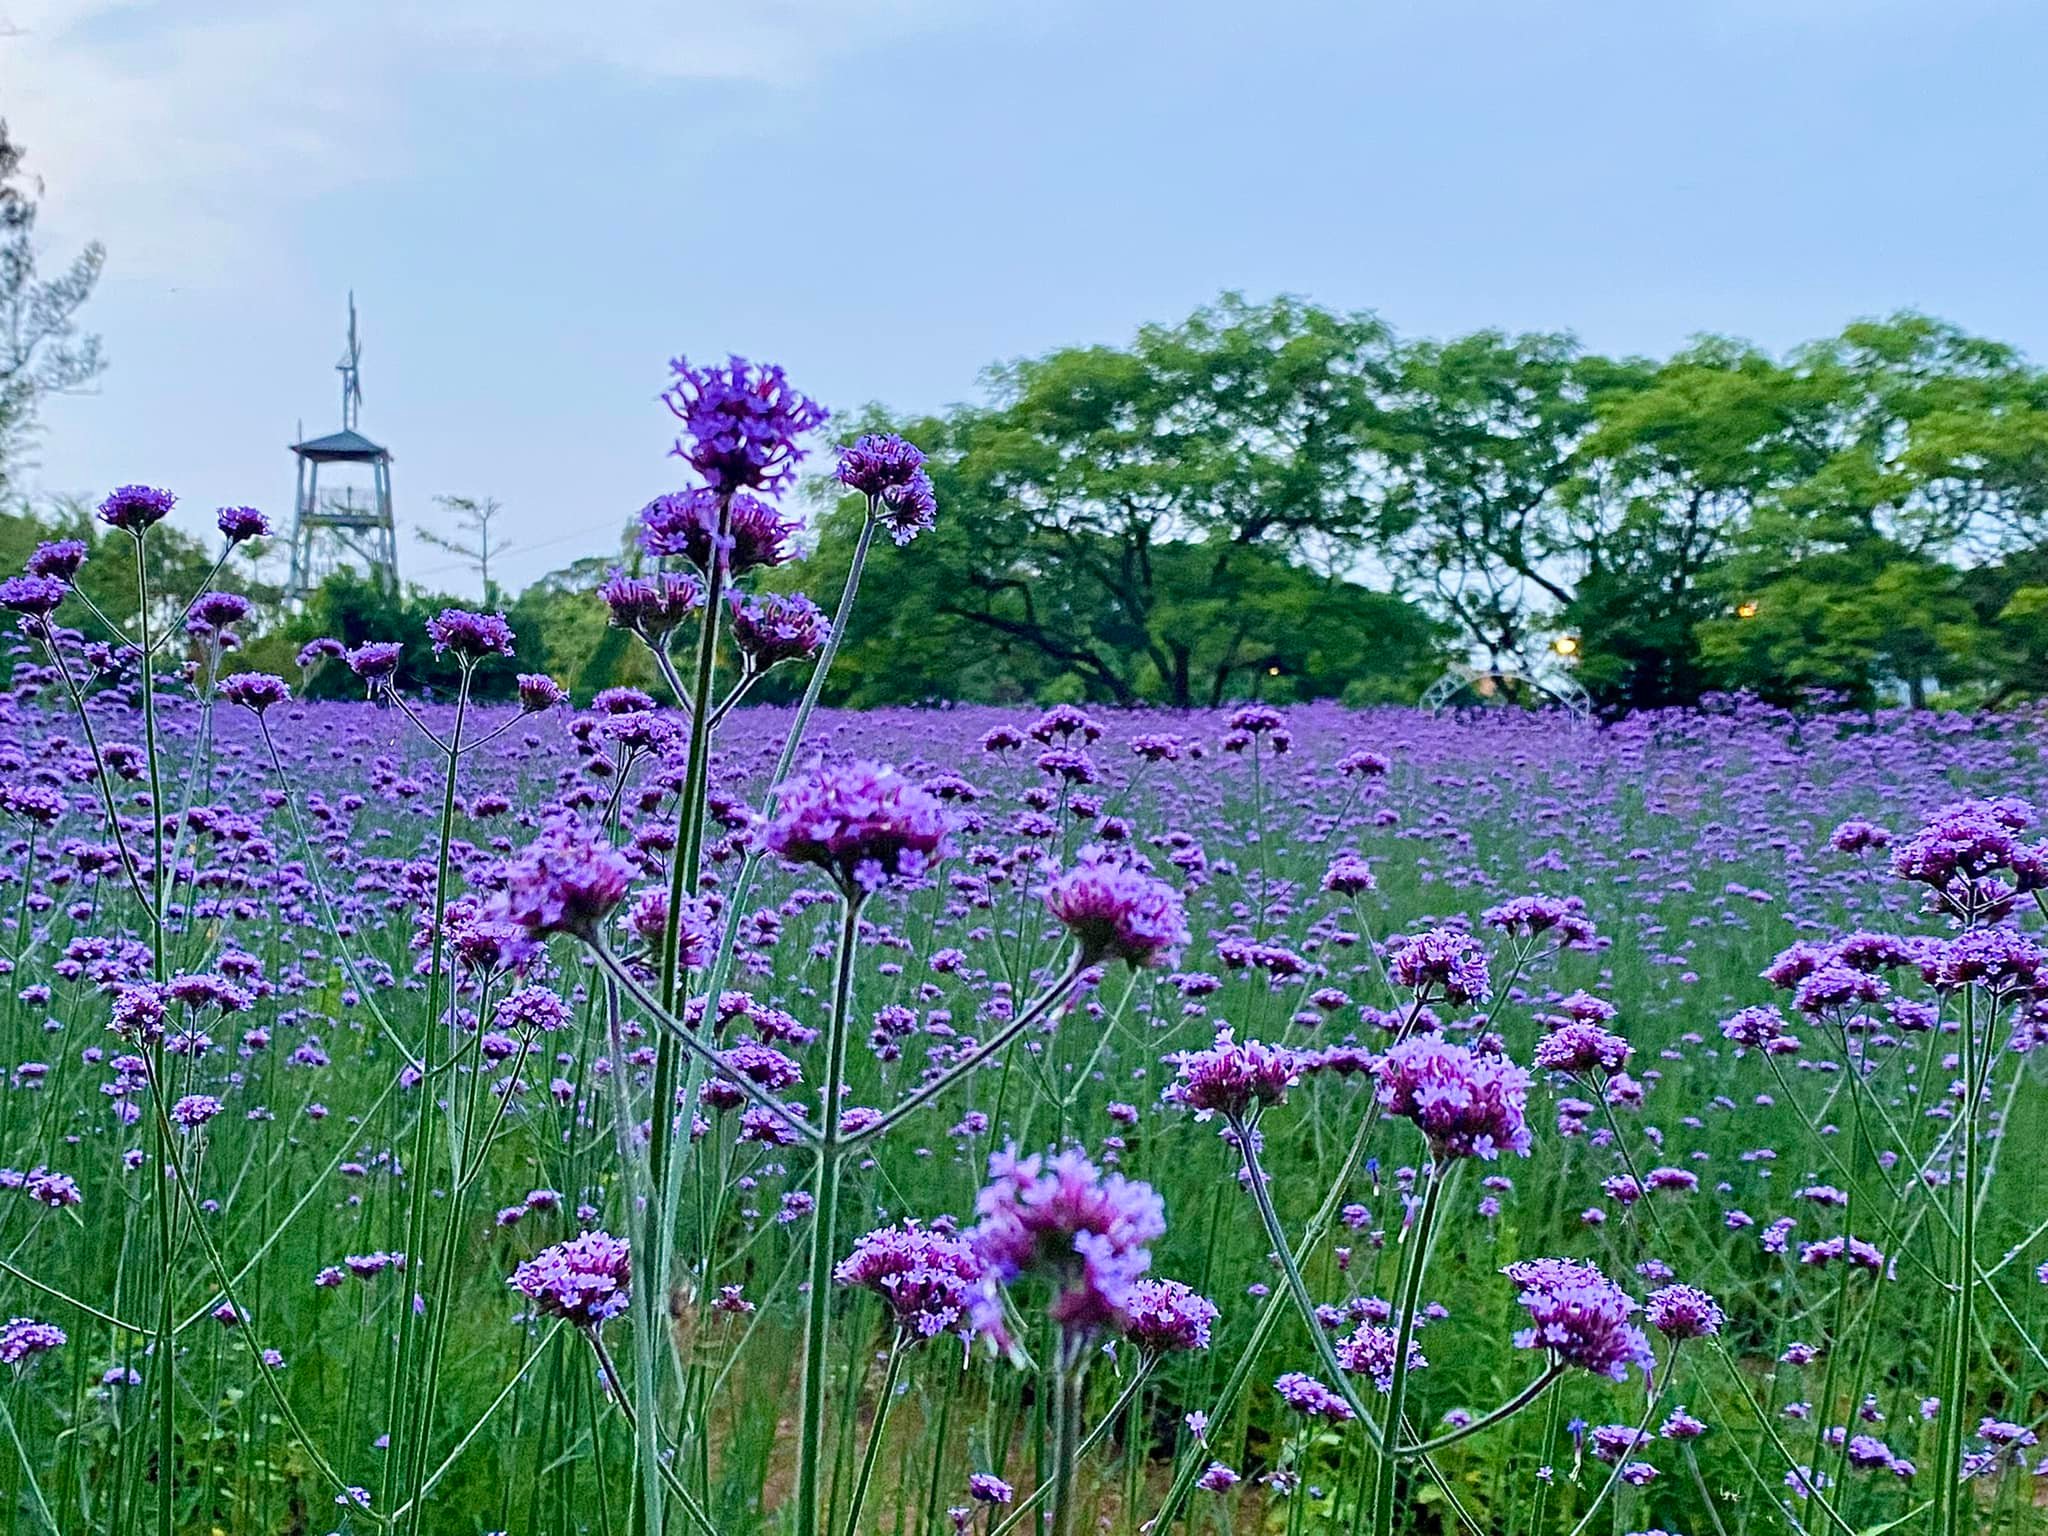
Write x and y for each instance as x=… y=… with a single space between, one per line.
x=1566 y=645
x=1745 y=610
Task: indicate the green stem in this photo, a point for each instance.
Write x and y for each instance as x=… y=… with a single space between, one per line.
x=1297 y=1287
x=824 y=1235
x=1089 y=1441
x=646 y=1290
x=1269 y=1317
x=1035 y=1011
x=891 y=1374
x=166 y=1346
x=1414 y=1263
x=1069 y=1380
x=1950 y=1490
x=412 y=1421
x=1505 y=1411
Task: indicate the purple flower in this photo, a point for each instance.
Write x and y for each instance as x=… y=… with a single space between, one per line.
x=1062 y=722
x=1580 y=1316
x=60 y=558
x=203 y=989
x=256 y=691
x=37 y=597
x=36 y=803
x=1578 y=1048
x=471 y=636
x=1532 y=916
x=1684 y=1312
x=1761 y=1029
x=757 y=1063
x=585 y=1280
x=1311 y=1398
x=876 y=462
x=1966 y=840
x=538 y=692
x=376 y=662
x=1860 y=1254
x=2000 y=960
x=1440 y=961
x=909 y=509
x=217 y=610
x=1348 y=875
x=1118 y=912
x=23 y=1338
x=136 y=508
x=1229 y=1078
x=240 y=524
x=685 y=526
x=1831 y=987
x=1065 y=1221
x=1369 y=1352
x=1158 y=747
x=1216 y=1478
x=931 y=1282
x=537 y=1010
x=987 y=1488
x=778 y=628
x=862 y=823
x=194 y=1110
x=740 y=423
x=654 y=606
x=1166 y=1317
x=565 y=881
x=1611 y=1442
x=1468 y=1105
x=1856 y=836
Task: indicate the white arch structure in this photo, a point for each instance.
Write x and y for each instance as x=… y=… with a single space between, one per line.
x=1486 y=681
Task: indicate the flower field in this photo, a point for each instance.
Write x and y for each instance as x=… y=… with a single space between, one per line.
x=1699 y=846
x=431 y=1116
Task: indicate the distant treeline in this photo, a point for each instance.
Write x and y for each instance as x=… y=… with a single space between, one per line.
x=1286 y=501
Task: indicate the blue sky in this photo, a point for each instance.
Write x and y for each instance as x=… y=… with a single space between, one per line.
x=539 y=204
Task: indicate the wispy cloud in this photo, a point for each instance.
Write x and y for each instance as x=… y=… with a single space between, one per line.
x=186 y=134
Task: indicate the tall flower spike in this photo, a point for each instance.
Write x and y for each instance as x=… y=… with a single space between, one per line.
x=585 y=1281
x=862 y=823
x=565 y=881
x=741 y=423
x=1118 y=912
x=470 y=636
x=685 y=526
x=136 y=508
x=1450 y=965
x=1468 y=1105
x=1065 y=1221
x=1580 y=1316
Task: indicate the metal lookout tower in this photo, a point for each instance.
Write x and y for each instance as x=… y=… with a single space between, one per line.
x=352 y=520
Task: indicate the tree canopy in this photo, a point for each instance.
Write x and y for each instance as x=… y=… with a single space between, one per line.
x=1283 y=501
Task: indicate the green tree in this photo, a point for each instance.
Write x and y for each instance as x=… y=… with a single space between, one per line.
x=354 y=608
x=1471 y=449
x=1116 y=517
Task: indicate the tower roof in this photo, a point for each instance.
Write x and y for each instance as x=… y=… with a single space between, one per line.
x=346 y=446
